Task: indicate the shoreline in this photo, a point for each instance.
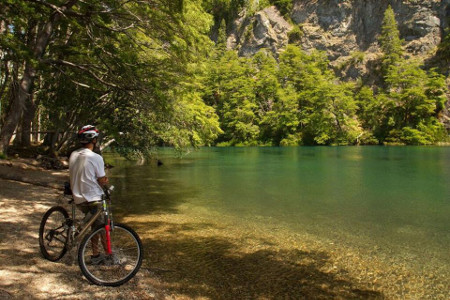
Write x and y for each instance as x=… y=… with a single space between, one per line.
x=187 y=256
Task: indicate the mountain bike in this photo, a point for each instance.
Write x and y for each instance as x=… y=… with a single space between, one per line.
x=122 y=246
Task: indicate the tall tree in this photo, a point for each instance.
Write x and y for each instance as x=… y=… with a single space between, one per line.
x=413 y=97
x=327 y=110
x=390 y=41
x=231 y=90
x=418 y=98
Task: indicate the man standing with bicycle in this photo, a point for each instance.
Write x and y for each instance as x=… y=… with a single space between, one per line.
x=87 y=178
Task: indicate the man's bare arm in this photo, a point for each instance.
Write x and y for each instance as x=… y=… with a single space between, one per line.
x=103 y=181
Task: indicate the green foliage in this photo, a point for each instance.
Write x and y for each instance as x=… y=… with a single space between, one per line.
x=194 y=123
x=444 y=46
x=295 y=35
x=224 y=9
x=222 y=36
x=231 y=92
x=417 y=98
x=2 y=156
x=129 y=68
x=390 y=41
x=370 y=113
x=284 y=6
x=293 y=102
x=281 y=124
x=357 y=57
x=326 y=106
x=423 y=134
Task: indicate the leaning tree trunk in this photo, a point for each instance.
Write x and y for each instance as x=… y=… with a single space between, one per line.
x=16 y=109
x=18 y=105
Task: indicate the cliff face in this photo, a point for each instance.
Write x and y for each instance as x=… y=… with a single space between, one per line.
x=346 y=26
x=348 y=31
x=343 y=28
x=265 y=29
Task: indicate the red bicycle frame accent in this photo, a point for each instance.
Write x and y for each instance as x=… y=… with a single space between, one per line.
x=108 y=238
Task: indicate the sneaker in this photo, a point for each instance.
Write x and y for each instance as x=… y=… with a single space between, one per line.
x=98 y=259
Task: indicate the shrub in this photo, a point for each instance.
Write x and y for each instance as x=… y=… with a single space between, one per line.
x=284 y=6
x=295 y=34
x=357 y=57
x=413 y=136
x=291 y=140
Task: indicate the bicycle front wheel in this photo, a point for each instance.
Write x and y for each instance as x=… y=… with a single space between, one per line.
x=114 y=269
x=54 y=233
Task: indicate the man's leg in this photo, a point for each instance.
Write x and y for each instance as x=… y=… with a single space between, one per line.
x=91 y=209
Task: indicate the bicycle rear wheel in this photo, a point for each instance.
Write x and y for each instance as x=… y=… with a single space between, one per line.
x=54 y=233
x=115 y=269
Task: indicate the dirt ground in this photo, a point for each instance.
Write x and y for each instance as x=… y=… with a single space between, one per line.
x=24 y=273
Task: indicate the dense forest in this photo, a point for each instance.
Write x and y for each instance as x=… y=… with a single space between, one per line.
x=148 y=73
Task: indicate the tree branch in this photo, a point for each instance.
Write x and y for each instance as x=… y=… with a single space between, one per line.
x=80 y=67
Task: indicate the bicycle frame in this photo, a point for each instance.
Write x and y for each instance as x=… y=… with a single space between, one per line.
x=77 y=235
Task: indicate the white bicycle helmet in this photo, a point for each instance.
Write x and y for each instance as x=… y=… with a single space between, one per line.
x=87 y=133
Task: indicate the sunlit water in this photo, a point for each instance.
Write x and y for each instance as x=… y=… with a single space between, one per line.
x=396 y=199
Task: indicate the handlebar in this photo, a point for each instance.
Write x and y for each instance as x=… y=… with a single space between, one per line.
x=107 y=190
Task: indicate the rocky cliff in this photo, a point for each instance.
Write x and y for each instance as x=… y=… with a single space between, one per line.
x=347 y=30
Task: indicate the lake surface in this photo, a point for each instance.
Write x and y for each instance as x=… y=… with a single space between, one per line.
x=392 y=199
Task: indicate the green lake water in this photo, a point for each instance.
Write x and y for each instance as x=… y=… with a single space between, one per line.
x=396 y=199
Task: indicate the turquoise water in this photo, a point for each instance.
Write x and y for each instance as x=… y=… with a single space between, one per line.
x=393 y=198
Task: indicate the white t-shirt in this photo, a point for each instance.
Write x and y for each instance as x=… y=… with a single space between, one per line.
x=85 y=167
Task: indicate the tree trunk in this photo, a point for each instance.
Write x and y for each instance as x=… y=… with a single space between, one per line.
x=16 y=109
x=53 y=151
x=36 y=125
x=29 y=75
x=4 y=83
x=27 y=120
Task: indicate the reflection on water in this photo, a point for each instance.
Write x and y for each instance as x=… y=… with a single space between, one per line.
x=393 y=199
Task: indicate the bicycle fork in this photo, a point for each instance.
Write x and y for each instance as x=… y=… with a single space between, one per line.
x=108 y=229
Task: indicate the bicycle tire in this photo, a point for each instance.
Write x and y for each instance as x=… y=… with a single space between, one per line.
x=54 y=233
x=117 y=268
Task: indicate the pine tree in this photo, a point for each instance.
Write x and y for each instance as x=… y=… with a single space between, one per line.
x=222 y=36
x=390 y=41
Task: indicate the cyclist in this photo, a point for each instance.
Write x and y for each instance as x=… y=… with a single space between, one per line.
x=87 y=177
